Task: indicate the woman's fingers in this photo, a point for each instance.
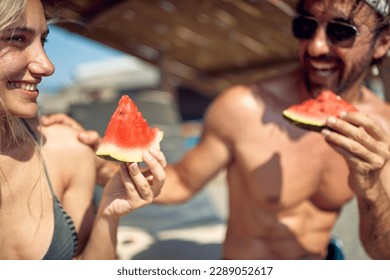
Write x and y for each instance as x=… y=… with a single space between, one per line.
x=135 y=183
x=155 y=172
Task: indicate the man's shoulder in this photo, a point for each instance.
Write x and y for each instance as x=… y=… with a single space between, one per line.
x=237 y=91
x=234 y=106
x=235 y=99
x=378 y=108
x=376 y=103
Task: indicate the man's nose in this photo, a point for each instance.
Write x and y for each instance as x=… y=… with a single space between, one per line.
x=318 y=44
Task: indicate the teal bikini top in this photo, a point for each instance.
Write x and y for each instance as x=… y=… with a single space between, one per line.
x=64 y=242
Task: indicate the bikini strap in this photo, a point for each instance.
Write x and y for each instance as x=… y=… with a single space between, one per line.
x=31 y=131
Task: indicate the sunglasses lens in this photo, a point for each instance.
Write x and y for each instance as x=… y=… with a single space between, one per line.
x=304 y=28
x=339 y=33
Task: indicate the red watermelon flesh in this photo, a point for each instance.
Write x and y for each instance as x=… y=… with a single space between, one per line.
x=128 y=134
x=312 y=113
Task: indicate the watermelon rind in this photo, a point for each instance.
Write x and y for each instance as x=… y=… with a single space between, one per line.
x=114 y=153
x=305 y=122
x=312 y=113
x=128 y=135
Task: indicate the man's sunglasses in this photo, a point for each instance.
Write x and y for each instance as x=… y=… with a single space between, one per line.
x=339 y=33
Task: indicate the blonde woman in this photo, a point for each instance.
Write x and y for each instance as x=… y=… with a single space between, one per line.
x=47 y=176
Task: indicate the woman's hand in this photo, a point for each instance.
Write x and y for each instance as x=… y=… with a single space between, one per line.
x=131 y=189
x=154 y=159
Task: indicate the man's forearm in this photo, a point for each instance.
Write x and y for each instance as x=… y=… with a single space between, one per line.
x=375 y=223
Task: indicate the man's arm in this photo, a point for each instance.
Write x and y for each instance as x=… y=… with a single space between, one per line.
x=185 y=178
x=199 y=165
x=374 y=210
x=366 y=149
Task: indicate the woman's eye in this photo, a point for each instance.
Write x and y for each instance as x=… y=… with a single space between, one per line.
x=17 y=39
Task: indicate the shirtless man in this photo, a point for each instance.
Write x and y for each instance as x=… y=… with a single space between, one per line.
x=287 y=185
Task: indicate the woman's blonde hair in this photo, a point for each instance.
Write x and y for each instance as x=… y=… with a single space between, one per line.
x=12 y=132
x=11 y=11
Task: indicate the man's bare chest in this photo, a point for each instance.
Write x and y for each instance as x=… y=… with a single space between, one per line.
x=282 y=172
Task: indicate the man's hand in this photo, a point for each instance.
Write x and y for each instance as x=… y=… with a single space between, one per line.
x=366 y=149
x=59 y=118
x=90 y=137
x=364 y=145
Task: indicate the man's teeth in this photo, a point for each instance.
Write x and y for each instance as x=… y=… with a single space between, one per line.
x=322 y=66
x=323 y=69
x=25 y=86
x=324 y=73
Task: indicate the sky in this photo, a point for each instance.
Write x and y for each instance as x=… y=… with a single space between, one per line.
x=66 y=50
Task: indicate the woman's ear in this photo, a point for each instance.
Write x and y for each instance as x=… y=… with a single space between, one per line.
x=382 y=45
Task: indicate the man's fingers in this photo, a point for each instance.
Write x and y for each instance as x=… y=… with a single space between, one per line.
x=353 y=151
x=90 y=138
x=60 y=118
x=363 y=132
x=361 y=120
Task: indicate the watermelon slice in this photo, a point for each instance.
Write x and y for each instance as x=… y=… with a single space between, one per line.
x=312 y=113
x=128 y=134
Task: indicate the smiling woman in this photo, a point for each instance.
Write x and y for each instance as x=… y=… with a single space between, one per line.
x=46 y=209
x=22 y=48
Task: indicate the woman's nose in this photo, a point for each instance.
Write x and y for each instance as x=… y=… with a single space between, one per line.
x=40 y=63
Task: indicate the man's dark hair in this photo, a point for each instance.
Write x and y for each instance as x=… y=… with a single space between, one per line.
x=383 y=20
x=383 y=24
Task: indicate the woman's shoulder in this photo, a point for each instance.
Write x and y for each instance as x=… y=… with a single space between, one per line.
x=62 y=139
x=67 y=159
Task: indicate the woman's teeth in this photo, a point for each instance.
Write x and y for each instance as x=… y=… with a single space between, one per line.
x=24 y=86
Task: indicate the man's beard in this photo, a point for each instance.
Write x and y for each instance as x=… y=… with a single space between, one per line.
x=358 y=70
